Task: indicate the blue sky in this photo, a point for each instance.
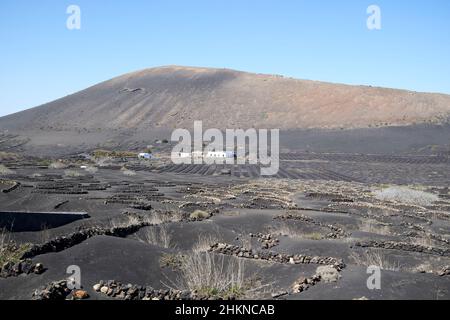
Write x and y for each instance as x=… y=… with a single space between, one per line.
x=41 y=60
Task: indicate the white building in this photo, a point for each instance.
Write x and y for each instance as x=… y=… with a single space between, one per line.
x=221 y=154
x=145 y=155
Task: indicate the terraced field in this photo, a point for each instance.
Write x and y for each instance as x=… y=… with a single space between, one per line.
x=426 y=170
x=308 y=233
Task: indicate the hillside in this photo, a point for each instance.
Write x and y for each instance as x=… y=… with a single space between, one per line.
x=169 y=97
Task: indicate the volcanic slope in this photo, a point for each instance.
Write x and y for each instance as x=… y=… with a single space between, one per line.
x=169 y=97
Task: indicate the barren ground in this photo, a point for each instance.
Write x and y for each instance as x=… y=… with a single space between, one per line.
x=321 y=210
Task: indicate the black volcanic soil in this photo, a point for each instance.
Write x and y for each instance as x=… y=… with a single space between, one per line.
x=173 y=97
x=406 y=140
x=130 y=112
x=313 y=217
x=339 y=145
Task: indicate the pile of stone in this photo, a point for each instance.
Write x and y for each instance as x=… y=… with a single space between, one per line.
x=403 y=246
x=268 y=240
x=303 y=283
x=323 y=273
x=336 y=232
x=59 y=290
x=117 y=290
x=241 y=252
x=445 y=271
x=11 y=269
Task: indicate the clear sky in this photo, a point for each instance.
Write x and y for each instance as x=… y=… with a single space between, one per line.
x=41 y=60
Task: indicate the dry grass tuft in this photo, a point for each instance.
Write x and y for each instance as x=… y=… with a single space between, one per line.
x=205 y=242
x=57 y=165
x=131 y=220
x=423 y=268
x=4 y=239
x=103 y=162
x=157 y=236
x=157 y=218
x=127 y=172
x=72 y=173
x=199 y=214
x=210 y=276
x=374 y=257
x=4 y=171
x=44 y=234
x=9 y=251
x=214 y=276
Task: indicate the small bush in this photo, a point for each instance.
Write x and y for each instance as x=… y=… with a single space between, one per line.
x=210 y=276
x=127 y=172
x=199 y=214
x=130 y=221
x=102 y=162
x=205 y=242
x=57 y=165
x=5 y=171
x=91 y=169
x=72 y=173
x=4 y=239
x=157 y=217
x=9 y=251
x=406 y=195
x=328 y=273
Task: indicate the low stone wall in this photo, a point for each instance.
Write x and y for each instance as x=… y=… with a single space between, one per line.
x=11 y=269
x=241 y=252
x=59 y=290
x=404 y=246
x=115 y=289
x=336 y=233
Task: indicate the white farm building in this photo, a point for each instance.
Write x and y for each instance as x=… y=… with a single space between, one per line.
x=221 y=154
